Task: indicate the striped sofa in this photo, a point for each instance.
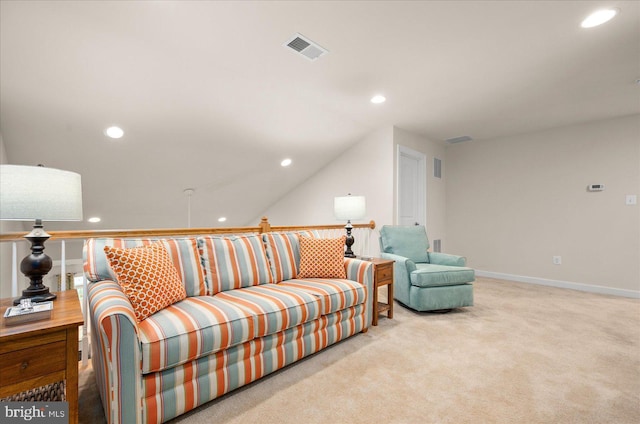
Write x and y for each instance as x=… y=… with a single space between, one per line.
x=245 y=316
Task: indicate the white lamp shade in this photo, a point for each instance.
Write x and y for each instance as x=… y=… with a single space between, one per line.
x=28 y=193
x=349 y=207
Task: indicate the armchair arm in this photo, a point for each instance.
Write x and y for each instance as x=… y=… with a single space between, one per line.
x=438 y=258
x=362 y=272
x=408 y=263
x=402 y=270
x=117 y=352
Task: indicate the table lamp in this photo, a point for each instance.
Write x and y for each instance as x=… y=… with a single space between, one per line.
x=37 y=193
x=349 y=207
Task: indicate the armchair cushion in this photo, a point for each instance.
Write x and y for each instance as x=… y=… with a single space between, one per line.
x=430 y=275
x=408 y=241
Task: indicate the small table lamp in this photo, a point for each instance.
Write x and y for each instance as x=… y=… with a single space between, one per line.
x=37 y=193
x=349 y=207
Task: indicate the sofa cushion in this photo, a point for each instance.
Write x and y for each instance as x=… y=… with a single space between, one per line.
x=183 y=252
x=334 y=294
x=275 y=308
x=283 y=251
x=192 y=328
x=234 y=262
x=147 y=277
x=322 y=258
x=429 y=275
x=409 y=241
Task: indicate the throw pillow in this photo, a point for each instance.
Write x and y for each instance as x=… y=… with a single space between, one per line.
x=147 y=277
x=322 y=258
x=233 y=262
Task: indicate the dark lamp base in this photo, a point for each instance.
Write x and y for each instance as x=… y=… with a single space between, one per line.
x=348 y=253
x=36 y=266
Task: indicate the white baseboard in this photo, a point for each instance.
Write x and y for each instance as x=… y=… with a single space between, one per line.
x=560 y=284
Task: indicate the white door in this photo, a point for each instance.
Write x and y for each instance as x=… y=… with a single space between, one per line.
x=412 y=191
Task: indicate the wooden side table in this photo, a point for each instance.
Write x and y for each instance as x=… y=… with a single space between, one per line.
x=42 y=352
x=383 y=276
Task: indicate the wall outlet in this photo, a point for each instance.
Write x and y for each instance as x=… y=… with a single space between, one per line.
x=631 y=199
x=557 y=260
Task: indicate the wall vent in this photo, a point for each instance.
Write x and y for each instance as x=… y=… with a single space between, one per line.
x=305 y=47
x=437 y=168
x=437 y=245
x=460 y=139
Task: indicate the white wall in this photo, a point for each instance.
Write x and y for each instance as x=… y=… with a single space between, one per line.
x=436 y=188
x=513 y=203
x=366 y=169
x=370 y=169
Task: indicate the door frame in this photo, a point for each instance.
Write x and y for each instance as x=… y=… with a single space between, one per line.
x=421 y=183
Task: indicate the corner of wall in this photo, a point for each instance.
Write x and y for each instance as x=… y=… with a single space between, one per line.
x=364 y=168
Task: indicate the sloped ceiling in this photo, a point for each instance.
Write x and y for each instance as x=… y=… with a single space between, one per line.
x=211 y=100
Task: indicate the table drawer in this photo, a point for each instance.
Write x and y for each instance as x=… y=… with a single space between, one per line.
x=384 y=272
x=33 y=362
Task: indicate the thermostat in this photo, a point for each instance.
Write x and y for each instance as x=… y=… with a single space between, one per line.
x=595 y=187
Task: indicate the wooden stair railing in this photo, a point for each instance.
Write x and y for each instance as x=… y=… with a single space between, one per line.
x=263 y=227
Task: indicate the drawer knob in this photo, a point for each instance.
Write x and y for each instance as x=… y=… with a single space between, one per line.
x=24 y=365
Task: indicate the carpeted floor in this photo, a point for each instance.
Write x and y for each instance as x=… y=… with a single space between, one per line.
x=522 y=354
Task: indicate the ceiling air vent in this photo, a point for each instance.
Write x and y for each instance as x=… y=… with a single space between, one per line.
x=461 y=139
x=307 y=48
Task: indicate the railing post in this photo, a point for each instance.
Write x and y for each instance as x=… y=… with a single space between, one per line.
x=14 y=269
x=63 y=267
x=85 y=326
x=265 y=227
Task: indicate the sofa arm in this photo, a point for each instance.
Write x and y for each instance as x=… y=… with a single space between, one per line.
x=438 y=258
x=117 y=352
x=362 y=272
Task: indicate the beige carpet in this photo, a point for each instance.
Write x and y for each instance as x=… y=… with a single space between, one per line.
x=522 y=354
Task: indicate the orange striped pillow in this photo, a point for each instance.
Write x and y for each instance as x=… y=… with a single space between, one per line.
x=147 y=277
x=234 y=262
x=182 y=250
x=322 y=258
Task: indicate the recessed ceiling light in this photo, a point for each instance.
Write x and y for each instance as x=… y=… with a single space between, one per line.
x=94 y=219
x=286 y=162
x=114 y=132
x=599 y=17
x=378 y=98
x=222 y=219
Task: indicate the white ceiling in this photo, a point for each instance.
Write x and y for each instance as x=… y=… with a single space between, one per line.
x=210 y=99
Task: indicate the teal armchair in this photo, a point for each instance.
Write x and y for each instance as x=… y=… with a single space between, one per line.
x=423 y=280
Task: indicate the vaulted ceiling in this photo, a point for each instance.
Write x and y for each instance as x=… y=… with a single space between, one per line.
x=210 y=99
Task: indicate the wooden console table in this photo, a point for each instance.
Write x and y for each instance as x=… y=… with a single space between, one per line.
x=42 y=352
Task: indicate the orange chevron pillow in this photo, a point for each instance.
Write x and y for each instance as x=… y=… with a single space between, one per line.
x=147 y=277
x=322 y=258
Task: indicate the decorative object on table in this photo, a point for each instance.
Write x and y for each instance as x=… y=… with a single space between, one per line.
x=27 y=311
x=349 y=207
x=37 y=193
